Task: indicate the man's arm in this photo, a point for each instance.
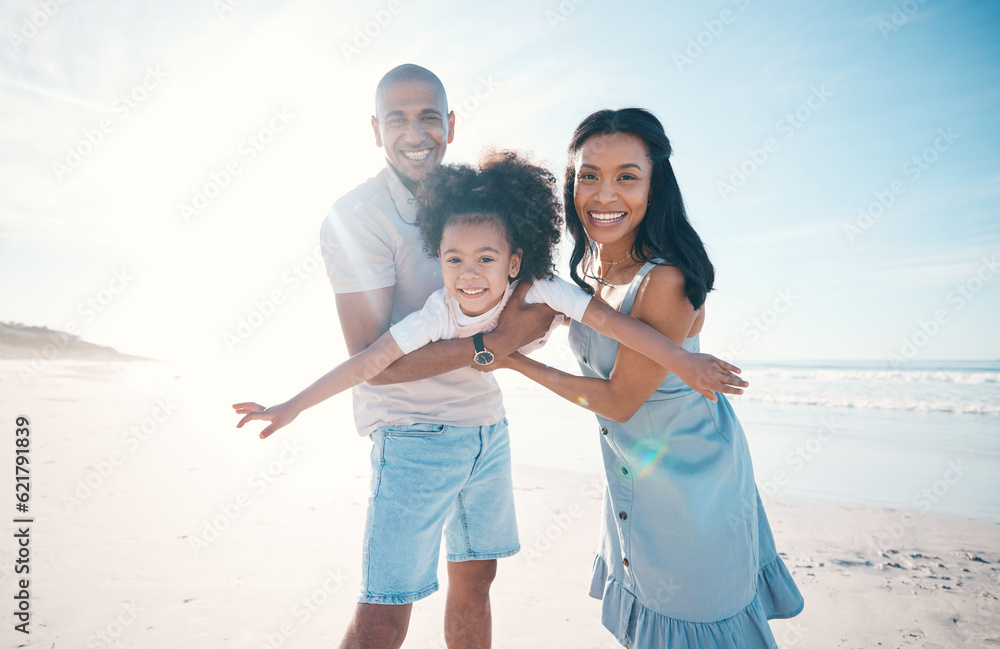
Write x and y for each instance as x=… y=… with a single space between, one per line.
x=366 y=315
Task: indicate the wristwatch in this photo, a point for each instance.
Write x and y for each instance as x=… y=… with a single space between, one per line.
x=483 y=356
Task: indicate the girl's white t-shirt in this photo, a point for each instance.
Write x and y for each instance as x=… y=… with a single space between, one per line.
x=434 y=321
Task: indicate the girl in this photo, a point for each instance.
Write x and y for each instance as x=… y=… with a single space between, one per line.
x=491 y=225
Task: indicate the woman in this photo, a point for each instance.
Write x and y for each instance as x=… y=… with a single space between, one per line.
x=687 y=558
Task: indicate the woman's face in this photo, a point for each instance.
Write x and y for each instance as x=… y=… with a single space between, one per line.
x=611 y=189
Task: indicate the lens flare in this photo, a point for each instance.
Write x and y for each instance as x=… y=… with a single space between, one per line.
x=650 y=455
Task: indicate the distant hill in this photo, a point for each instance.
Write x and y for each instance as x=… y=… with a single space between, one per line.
x=22 y=341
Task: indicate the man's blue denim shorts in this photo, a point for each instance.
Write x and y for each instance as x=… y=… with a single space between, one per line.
x=429 y=479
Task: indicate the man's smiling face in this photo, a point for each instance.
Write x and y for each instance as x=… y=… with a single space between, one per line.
x=413 y=126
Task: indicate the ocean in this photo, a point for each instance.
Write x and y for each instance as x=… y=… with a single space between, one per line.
x=961 y=387
x=924 y=437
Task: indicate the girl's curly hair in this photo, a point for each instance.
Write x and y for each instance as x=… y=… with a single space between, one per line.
x=503 y=188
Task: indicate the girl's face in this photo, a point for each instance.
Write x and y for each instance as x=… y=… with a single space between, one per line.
x=476 y=264
x=611 y=188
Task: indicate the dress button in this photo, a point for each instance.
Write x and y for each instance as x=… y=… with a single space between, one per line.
x=583 y=359
x=604 y=431
x=624 y=471
x=625 y=561
x=622 y=515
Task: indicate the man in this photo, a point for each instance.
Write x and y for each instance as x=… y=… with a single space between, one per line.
x=440 y=459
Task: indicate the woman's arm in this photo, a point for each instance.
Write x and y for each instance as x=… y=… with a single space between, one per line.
x=663 y=305
x=704 y=373
x=356 y=369
x=596 y=395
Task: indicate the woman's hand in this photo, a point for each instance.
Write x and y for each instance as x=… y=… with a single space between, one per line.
x=707 y=375
x=280 y=415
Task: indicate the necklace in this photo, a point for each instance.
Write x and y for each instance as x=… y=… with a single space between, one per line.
x=615 y=263
x=604 y=266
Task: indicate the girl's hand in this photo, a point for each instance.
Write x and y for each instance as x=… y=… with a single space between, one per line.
x=706 y=375
x=280 y=415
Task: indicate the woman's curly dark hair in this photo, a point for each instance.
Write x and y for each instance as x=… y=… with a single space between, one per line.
x=503 y=188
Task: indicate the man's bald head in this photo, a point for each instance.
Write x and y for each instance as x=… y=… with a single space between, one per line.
x=403 y=74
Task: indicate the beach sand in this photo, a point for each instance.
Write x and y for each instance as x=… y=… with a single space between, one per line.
x=156 y=524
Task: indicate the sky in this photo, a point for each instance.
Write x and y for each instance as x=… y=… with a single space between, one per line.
x=165 y=167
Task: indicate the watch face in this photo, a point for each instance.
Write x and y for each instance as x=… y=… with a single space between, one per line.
x=484 y=357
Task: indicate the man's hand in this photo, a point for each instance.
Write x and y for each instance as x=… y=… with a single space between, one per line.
x=519 y=324
x=707 y=375
x=280 y=415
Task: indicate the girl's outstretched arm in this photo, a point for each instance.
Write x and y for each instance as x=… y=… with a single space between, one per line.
x=704 y=373
x=356 y=369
